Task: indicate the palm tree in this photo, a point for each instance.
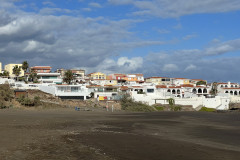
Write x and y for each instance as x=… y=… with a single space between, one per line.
x=5 y=74
x=25 y=66
x=68 y=77
x=17 y=70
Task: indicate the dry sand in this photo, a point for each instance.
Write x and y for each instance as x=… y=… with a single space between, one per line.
x=65 y=134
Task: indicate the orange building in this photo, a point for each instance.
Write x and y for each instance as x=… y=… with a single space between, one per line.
x=41 y=69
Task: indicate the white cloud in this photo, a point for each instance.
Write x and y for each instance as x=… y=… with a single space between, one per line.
x=222 y=48
x=30 y=46
x=177 y=8
x=120 y=2
x=94 y=4
x=190 y=36
x=163 y=31
x=170 y=68
x=49 y=3
x=122 y=64
x=191 y=67
x=87 y=9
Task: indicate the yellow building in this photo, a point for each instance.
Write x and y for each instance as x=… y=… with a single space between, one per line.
x=9 y=68
x=97 y=75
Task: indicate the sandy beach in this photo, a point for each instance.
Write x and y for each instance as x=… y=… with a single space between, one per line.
x=68 y=134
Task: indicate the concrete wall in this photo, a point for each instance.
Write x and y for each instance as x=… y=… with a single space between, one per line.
x=48 y=89
x=220 y=103
x=235 y=99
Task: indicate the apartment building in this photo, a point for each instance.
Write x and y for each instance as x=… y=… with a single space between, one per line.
x=9 y=68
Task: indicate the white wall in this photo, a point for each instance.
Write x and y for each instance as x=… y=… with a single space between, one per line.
x=48 y=89
x=4 y=80
x=220 y=103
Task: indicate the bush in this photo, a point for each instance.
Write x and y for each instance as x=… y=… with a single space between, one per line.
x=6 y=95
x=159 y=108
x=177 y=108
x=205 y=109
x=29 y=102
x=127 y=103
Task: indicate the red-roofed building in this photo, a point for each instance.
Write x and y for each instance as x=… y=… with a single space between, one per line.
x=41 y=69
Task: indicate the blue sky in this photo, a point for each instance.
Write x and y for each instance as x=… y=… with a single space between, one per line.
x=175 y=38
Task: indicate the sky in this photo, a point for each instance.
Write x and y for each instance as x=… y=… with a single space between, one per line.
x=166 y=38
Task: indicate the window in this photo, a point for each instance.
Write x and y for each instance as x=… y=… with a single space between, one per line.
x=74 y=89
x=150 y=90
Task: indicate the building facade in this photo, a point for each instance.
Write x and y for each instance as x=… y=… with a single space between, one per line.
x=41 y=69
x=97 y=75
x=9 y=68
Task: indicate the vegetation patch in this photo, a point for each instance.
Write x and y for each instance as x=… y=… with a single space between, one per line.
x=6 y=96
x=26 y=101
x=128 y=104
x=159 y=108
x=205 y=109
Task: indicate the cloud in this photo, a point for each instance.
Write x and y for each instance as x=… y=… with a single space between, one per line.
x=222 y=48
x=163 y=31
x=120 y=2
x=49 y=3
x=190 y=36
x=190 y=68
x=196 y=63
x=69 y=42
x=94 y=4
x=87 y=9
x=178 y=8
x=170 y=68
x=122 y=64
x=30 y=46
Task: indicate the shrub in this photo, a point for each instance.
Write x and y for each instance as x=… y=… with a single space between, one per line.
x=29 y=102
x=159 y=108
x=205 y=109
x=127 y=103
x=6 y=95
x=177 y=108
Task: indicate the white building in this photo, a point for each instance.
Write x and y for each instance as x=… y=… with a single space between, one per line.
x=80 y=92
x=49 y=78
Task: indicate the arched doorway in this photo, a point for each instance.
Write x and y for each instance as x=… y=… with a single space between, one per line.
x=235 y=93
x=199 y=90
x=231 y=92
x=173 y=91
x=204 y=90
x=178 y=91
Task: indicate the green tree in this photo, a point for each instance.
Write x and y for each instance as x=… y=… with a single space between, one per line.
x=171 y=102
x=33 y=77
x=16 y=70
x=5 y=74
x=68 y=77
x=201 y=83
x=25 y=66
x=214 y=89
